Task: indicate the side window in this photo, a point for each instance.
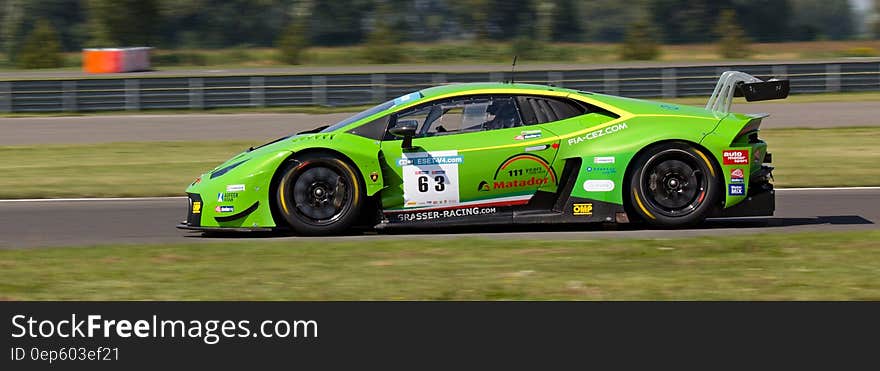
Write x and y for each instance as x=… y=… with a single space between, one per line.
x=464 y=115
x=374 y=129
x=539 y=110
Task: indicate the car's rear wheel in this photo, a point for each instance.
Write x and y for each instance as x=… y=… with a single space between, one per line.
x=673 y=184
x=319 y=195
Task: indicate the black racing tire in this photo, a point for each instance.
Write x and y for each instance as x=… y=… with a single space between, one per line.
x=320 y=195
x=674 y=184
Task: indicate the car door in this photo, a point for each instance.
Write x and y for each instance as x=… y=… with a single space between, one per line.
x=467 y=152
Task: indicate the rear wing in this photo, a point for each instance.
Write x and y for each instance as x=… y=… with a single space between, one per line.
x=740 y=84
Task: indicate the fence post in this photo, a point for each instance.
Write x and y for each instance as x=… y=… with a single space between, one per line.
x=68 y=95
x=612 y=82
x=832 y=78
x=496 y=76
x=779 y=71
x=319 y=90
x=5 y=96
x=196 y=93
x=555 y=78
x=132 y=95
x=669 y=89
x=258 y=94
x=377 y=81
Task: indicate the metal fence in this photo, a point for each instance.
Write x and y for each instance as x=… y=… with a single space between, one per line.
x=146 y=93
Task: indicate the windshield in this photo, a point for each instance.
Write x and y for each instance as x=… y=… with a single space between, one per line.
x=372 y=111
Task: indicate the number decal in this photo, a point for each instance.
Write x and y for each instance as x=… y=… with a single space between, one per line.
x=440 y=186
x=430 y=178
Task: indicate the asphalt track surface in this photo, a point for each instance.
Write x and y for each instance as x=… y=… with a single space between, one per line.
x=262 y=127
x=45 y=223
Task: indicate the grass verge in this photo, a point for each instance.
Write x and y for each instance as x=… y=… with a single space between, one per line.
x=464 y=52
x=802 y=157
x=803 y=266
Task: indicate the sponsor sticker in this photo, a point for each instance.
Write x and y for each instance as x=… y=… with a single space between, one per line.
x=597 y=133
x=582 y=209
x=430 y=160
x=604 y=170
x=235 y=188
x=405 y=98
x=443 y=214
x=533 y=181
x=224 y=209
x=736 y=175
x=483 y=187
x=735 y=156
x=528 y=134
x=197 y=207
x=603 y=160
x=599 y=185
x=736 y=189
x=536 y=148
x=227 y=196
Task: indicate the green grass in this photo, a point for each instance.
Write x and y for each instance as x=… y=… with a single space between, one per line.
x=115 y=169
x=807 y=266
x=825 y=157
x=802 y=157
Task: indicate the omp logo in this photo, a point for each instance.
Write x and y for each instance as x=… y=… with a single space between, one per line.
x=582 y=209
x=598 y=133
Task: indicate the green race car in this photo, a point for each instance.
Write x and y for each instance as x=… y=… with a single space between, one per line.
x=501 y=153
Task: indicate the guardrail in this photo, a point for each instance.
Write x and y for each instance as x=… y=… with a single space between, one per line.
x=145 y=93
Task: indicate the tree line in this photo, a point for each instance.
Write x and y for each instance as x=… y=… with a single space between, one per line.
x=190 y=24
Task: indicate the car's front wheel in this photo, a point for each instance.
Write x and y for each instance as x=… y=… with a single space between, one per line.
x=319 y=195
x=673 y=184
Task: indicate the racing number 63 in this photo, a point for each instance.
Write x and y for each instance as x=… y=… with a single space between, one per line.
x=439 y=187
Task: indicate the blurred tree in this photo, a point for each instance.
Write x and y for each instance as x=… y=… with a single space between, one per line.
x=382 y=43
x=822 y=19
x=608 y=20
x=474 y=16
x=875 y=24
x=546 y=14
x=733 y=42
x=339 y=22
x=686 y=21
x=641 y=41
x=223 y=23
x=567 y=24
x=123 y=22
x=41 y=48
x=294 y=39
x=11 y=26
x=764 y=20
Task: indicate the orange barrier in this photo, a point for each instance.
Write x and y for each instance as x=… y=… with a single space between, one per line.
x=116 y=60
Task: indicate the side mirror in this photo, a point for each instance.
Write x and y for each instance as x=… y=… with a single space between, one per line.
x=405 y=129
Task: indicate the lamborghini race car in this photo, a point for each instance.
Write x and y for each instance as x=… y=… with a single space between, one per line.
x=501 y=153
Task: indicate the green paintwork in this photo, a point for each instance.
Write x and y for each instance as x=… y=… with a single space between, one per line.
x=596 y=138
